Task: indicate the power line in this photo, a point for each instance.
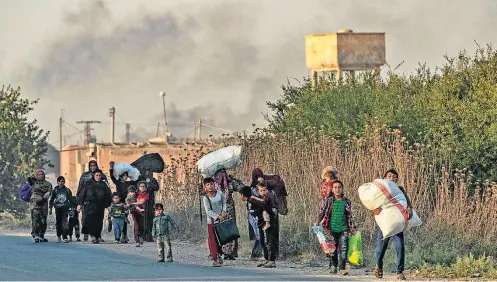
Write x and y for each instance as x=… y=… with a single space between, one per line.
x=120 y=117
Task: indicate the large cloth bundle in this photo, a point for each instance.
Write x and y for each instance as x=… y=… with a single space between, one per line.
x=150 y=162
x=120 y=168
x=225 y=158
x=386 y=195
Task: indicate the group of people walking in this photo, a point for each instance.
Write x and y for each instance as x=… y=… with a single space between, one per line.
x=92 y=199
x=336 y=218
x=265 y=198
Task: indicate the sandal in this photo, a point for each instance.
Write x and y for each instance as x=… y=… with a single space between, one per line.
x=378 y=273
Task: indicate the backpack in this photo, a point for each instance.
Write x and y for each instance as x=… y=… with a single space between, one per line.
x=25 y=193
x=277 y=187
x=61 y=200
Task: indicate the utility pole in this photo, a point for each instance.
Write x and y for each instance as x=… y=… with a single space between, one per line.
x=112 y=115
x=61 y=124
x=157 y=133
x=128 y=129
x=163 y=95
x=199 y=128
x=87 y=129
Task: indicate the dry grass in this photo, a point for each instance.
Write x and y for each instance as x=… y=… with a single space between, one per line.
x=447 y=200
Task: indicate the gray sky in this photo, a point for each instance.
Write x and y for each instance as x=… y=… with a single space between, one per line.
x=217 y=60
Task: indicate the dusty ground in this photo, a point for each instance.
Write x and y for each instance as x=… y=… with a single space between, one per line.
x=197 y=254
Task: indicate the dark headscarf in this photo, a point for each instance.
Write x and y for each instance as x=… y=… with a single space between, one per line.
x=256 y=173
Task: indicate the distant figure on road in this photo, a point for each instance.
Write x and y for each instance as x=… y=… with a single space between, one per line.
x=61 y=200
x=85 y=177
x=94 y=197
x=39 y=205
x=160 y=232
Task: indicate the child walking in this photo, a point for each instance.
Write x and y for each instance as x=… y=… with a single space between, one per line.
x=160 y=232
x=74 y=220
x=336 y=218
x=117 y=214
x=328 y=175
x=215 y=208
x=61 y=200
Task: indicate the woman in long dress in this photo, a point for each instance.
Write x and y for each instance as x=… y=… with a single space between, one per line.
x=94 y=198
x=224 y=183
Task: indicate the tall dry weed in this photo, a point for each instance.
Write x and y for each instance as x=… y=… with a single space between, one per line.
x=438 y=194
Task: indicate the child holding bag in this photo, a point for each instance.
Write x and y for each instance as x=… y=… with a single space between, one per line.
x=336 y=219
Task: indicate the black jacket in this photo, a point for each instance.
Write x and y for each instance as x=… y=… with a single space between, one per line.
x=55 y=193
x=121 y=186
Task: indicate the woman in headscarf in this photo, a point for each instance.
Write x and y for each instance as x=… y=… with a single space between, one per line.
x=40 y=193
x=95 y=197
x=277 y=189
x=223 y=183
x=152 y=187
x=85 y=177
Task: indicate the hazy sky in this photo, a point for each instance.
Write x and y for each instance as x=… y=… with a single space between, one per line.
x=217 y=60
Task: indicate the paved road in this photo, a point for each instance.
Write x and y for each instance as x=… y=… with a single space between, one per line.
x=21 y=259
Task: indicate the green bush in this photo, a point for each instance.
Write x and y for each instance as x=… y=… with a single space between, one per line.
x=450 y=109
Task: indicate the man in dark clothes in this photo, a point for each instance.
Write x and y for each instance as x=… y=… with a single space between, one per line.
x=122 y=185
x=268 y=237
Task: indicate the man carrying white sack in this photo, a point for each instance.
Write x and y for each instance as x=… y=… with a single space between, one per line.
x=398 y=239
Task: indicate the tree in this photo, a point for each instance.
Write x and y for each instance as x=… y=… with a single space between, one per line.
x=23 y=146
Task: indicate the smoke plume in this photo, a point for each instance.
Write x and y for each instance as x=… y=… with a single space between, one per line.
x=221 y=60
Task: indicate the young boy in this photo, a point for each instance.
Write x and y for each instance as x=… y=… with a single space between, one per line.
x=117 y=214
x=130 y=200
x=336 y=218
x=74 y=220
x=264 y=196
x=61 y=200
x=160 y=232
x=398 y=239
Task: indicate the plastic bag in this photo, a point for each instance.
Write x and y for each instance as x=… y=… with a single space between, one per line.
x=327 y=246
x=354 y=253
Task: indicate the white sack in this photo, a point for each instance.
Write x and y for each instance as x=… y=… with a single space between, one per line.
x=120 y=168
x=227 y=158
x=391 y=221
